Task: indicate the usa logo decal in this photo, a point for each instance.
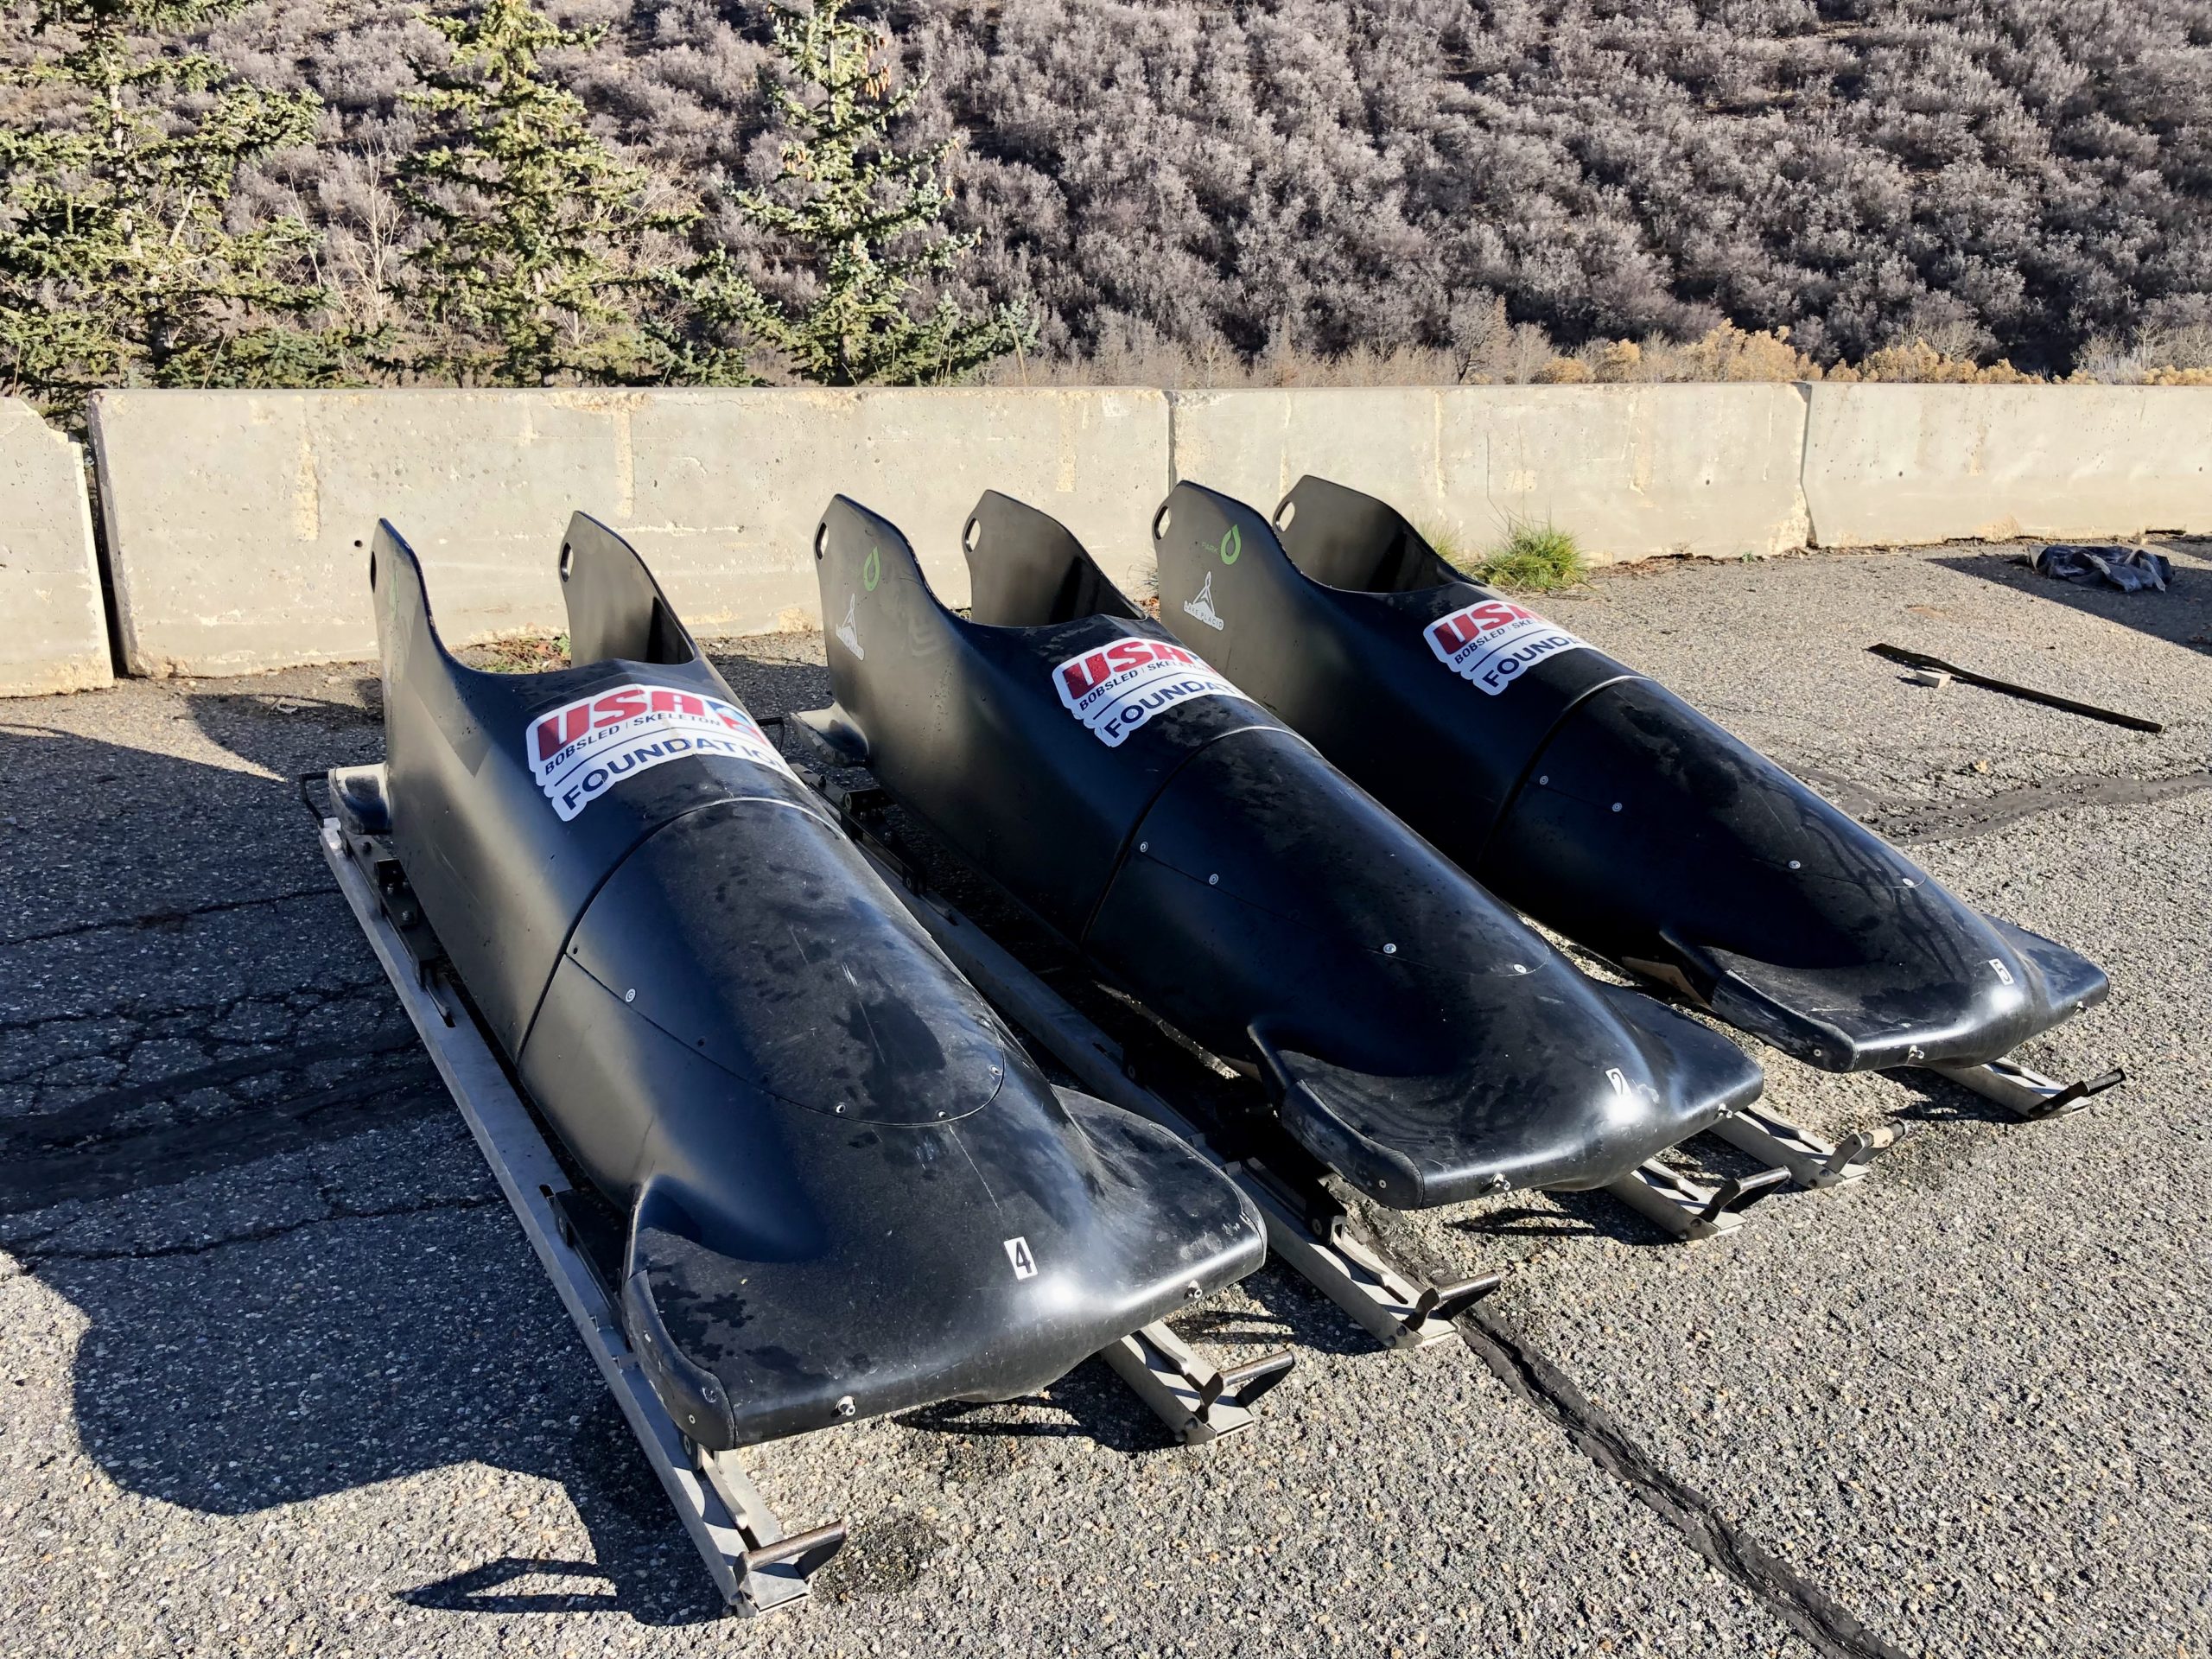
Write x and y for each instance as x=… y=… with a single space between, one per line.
x=584 y=748
x=1491 y=642
x=1114 y=689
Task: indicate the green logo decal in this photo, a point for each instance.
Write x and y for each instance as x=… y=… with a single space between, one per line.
x=872 y=572
x=1231 y=545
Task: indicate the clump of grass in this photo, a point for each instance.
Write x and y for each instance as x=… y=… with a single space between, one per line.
x=518 y=654
x=1533 y=558
x=1445 y=543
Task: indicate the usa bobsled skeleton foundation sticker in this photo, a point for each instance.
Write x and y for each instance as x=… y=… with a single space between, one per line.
x=584 y=748
x=1489 y=643
x=1114 y=689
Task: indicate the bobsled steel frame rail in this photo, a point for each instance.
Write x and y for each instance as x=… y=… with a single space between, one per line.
x=1393 y=1304
x=755 y=1564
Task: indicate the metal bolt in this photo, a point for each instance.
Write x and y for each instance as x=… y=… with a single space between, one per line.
x=1546 y=778
x=1617 y=806
x=845 y=1406
x=1794 y=865
x=630 y=995
x=1389 y=949
x=1213 y=880
x=840 y=1106
x=1192 y=1291
x=1520 y=967
x=1144 y=845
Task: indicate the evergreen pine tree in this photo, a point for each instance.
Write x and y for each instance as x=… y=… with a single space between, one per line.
x=859 y=214
x=117 y=264
x=537 y=259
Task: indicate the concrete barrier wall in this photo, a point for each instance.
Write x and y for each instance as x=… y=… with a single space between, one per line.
x=238 y=521
x=1888 y=465
x=53 y=623
x=1634 y=471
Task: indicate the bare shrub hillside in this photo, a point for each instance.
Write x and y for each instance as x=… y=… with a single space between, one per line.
x=1419 y=189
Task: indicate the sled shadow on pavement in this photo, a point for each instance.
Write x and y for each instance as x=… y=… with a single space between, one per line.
x=219 y=1143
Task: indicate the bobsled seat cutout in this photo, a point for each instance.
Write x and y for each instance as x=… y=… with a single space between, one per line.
x=1414 y=1035
x=1593 y=799
x=847 y=1190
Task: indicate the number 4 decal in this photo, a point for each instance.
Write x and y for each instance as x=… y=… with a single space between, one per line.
x=1025 y=1265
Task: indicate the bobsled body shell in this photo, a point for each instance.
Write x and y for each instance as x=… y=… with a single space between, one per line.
x=848 y=1190
x=1595 y=800
x=1415 y=1036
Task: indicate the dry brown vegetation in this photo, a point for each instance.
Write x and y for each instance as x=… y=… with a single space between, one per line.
x=1398 y=191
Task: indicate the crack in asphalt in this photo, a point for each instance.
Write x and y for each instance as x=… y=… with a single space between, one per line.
x=33 y=1258
x=159 y=919
x=1912 y=823
x=1595 y=1432
x=169 y=1153
x=145 y=1011
x=83 y=1123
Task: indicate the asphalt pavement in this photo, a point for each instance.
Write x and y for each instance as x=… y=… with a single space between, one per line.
x=278 y=1375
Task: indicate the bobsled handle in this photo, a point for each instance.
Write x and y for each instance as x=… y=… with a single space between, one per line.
x=1343 y=538
x=1026 y=570
x=616 y=610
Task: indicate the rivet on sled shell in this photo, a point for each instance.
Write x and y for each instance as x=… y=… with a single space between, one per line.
x=1794 y=865
x=1546 y=778
x=1213 y=880
x=630 y=995
x=1389 y=949
x=845 y=1407
x=1617 y=806
x=1193 y=1291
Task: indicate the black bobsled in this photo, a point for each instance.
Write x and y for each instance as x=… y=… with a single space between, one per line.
x=849 y=1191
x=1412 y=1034
x=1596 y=800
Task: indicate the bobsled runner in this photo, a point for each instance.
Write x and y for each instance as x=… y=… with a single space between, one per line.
x=1593 y=799
x=841 y=1187
x=1412 y=1034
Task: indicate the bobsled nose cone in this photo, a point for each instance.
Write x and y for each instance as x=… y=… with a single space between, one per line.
x=1635 y=1078
x=1578 y=1093
x=1679 y=1077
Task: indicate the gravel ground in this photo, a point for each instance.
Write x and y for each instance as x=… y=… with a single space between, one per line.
x=278 y=1375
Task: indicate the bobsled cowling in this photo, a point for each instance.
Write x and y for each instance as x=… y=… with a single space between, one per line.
x=1593 y=797
x=849 y=1191
x=1414 y=1035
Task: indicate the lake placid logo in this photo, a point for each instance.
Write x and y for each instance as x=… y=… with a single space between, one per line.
x=1114 y=689
x=1202 y=607
x=584 y=748
x=1491 y=642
